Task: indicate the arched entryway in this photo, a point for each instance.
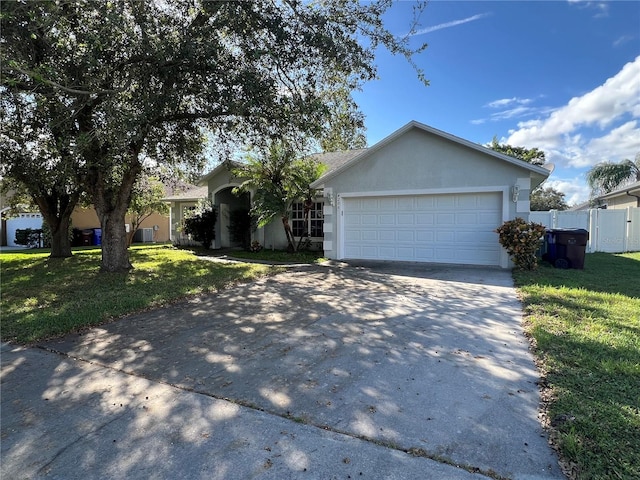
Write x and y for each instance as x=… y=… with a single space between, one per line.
x=229 y=206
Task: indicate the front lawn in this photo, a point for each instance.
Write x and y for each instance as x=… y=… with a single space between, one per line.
x=43 y=297
x=282 y=256
x=585 y=327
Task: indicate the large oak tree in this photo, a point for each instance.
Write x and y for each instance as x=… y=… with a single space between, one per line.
x=140 y=82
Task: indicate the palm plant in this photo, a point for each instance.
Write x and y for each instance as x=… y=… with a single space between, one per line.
x=277 y=180
x=606 y=176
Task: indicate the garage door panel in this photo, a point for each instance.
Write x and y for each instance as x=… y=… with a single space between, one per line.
x=466 y=219
x=425 y=219
x=486 y=218
x=353 y=219
x=445 y=202
x=352 y=236
x=424 y=254
x=424 y=236
x=405 y=203
x=388 y=203
x=369 y=235
x=368 y=204
x=446 y=219
x=445 y=236
x=406 y=219
x=425 y=202
x=387 y=235
x=467 y=201
x=406 y=236
x=451 y=228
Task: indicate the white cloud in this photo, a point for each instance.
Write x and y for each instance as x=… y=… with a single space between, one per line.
x=602 y=9
x=622 y=40
x=503 y=102
x=575 y=189
x=453 y=23
x=560 y=132
x=509 y=108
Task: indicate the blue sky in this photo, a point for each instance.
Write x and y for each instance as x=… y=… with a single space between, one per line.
x=563 y=76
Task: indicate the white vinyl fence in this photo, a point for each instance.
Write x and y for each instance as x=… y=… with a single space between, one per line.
x=612 y=231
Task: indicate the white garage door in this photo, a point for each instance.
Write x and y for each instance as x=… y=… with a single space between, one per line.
x=451 y=228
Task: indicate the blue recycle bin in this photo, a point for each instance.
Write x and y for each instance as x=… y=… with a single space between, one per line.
x=97 y=236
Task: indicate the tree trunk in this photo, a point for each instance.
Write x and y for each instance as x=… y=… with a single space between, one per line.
x=115 y=251
x=60 y=243
x=308 y=204
x=291 y=247
x=56 y=211
x=111 y=203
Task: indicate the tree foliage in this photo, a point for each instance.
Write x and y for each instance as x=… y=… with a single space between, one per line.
x=39 y=165
x=135 y=83
x=344 y=130
x=543 y=199
x=277 y=180
x=201 y=223
x=606 y=177
x=533 y=156
x=146 y=199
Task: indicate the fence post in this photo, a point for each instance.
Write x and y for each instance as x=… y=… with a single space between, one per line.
x=593 y=230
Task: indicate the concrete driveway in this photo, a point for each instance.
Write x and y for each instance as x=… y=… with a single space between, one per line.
x=372 y=371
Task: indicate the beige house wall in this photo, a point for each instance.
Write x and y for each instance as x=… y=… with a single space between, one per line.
x=621 y=202
x=84 y=218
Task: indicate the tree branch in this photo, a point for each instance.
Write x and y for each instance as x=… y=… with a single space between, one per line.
x=51 y=83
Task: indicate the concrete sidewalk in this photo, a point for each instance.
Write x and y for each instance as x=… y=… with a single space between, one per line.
x=377 y=371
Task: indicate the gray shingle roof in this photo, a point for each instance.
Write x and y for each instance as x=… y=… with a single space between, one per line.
x=334 y=160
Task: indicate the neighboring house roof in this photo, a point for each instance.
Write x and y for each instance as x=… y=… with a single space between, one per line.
x=539 y=173
x=187 y=193
x=580 y=206
x=633 y=189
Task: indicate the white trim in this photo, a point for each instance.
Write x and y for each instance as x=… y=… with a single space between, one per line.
x=223 y=187
x=524 y=183
x=428 y=191
x=523 y=206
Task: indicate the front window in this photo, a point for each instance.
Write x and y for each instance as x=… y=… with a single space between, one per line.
x=315 y=221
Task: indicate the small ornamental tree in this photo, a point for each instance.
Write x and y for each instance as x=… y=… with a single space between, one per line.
x=521 y=239
x=202 y=223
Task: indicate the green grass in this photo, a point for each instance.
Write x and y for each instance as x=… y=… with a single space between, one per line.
x=44 y=297
x=280 y=256
x=264 y=255
x=586 y=331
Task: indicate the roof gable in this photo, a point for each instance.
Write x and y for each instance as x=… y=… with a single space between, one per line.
x=541 y=173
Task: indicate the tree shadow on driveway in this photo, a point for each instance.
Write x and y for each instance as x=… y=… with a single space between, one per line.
x=431 y=362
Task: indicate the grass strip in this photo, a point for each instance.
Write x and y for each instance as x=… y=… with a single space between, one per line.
x=43 y=297
x=585 y=328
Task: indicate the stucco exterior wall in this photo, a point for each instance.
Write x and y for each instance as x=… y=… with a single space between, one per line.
x=271 y=236
x=419 y=160
x=621 y=202
x=84 y=218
